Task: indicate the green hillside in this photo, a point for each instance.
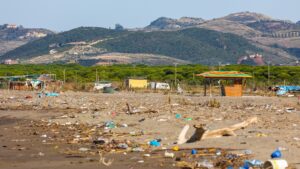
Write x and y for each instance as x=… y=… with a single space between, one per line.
x=42 y=46
x=196 y=45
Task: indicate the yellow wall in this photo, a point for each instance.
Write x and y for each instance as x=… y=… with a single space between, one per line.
x=137 y=83
x=236 y=90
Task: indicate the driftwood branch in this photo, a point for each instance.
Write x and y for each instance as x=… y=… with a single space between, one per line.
x=103 y=161
x=201 y=133
x=131 y=110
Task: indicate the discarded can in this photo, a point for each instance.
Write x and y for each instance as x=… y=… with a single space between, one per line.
x=194 y=151
x=276 y=164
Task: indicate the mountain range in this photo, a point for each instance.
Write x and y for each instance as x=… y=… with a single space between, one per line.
x=13 y=36
x=239 y=38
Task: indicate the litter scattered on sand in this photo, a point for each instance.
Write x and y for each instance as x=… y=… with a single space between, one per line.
x=226 y=133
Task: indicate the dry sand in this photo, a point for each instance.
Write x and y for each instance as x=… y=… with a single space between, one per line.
x=48 y=132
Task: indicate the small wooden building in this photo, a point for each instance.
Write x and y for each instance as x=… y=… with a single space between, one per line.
x=18 y=85
x=233 y=85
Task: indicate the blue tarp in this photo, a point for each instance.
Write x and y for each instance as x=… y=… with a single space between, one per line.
x=285 y=89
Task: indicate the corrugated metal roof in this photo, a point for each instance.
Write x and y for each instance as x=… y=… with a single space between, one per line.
x=224 y=74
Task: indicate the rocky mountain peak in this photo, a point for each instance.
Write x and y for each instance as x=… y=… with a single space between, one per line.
x=18 y=32
x=247 y=17
x=169 y=23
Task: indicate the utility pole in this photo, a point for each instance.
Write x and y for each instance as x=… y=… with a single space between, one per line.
x=97 y=79
x=133 y=70
x=76 y=78
x=253 y=82
x=219 y=66
x=64 y=76
x=175 y=75
x=268 y=72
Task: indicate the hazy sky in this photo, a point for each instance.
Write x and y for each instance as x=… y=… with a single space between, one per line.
x=62 y=15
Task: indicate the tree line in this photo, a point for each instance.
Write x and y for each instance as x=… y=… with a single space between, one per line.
x=186 y=74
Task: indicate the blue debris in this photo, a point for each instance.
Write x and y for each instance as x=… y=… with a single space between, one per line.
x=52 y=94
x=285 y=89
x=154 y=143
x=246 y=166
x=251 y=163
x=254 y=163
x=276 y=154
x=243 y=167
x=178 y=116
x=194 y=151
x=110 y=124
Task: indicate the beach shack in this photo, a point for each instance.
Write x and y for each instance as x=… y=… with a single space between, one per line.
x=29 y=82
x=230 y=82
x=133 y=83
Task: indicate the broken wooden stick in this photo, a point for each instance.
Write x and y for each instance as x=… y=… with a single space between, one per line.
x=201 y=133
x=128 y=109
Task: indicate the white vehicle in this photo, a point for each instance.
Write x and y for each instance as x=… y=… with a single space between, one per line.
x=101 y=85
x=159 y=86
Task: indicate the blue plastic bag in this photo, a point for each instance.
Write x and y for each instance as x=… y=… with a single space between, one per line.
x=276 y=154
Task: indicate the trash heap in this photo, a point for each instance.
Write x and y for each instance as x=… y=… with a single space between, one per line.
x=83 y=139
